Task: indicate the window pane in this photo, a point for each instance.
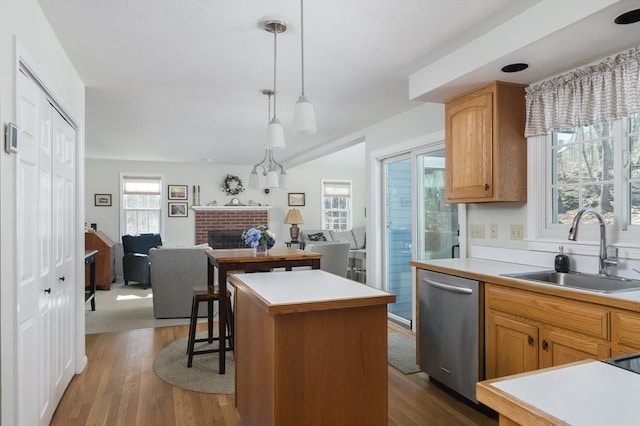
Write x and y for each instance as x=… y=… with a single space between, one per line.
x=582 y=171
x=141 y=205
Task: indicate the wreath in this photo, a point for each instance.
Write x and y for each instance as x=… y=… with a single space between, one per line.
x=232 y=185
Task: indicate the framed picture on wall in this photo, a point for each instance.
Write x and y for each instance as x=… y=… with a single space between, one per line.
x=178 y=210
x=178 y=192
x=102 y=200
x=296 y=198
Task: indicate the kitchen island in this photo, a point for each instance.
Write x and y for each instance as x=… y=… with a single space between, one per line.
x=583 y=393
x=310 y=348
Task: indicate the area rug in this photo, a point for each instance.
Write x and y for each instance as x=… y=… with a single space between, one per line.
x=124 y=308
x=402 y=353
x=170 y=364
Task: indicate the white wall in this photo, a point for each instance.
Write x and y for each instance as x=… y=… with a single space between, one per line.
x=24 y=20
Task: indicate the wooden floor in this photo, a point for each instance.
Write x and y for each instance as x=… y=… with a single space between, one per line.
x=119 y=387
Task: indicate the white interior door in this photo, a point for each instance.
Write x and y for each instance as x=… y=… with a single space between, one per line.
x=45 y=205
x=64 y=281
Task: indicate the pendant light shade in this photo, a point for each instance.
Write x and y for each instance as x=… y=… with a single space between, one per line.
x=275 y=135
x=254 y=179
x=304 y=118
x=272 y=179
x=283 y=180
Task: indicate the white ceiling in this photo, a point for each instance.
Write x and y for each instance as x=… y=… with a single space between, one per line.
x=180 y=80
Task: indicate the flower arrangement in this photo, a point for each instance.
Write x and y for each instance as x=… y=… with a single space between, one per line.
x=260 y=235
x=232 y=185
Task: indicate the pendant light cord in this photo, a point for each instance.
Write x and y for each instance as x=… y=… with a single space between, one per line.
x=302 y=43
x=275 y=49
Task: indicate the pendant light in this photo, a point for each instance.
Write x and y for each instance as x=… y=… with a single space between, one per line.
x=275 y=132
x=273 y=171
x=304 y=119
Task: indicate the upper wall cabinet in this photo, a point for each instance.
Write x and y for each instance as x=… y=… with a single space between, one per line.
x=486 y=151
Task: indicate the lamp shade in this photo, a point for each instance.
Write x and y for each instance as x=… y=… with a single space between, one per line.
x=293 y=217
x=254 y=180
x=304 y=118
x=275 y=135
x=272 y=179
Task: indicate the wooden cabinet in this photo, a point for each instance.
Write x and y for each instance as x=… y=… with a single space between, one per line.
x=105 y=259
x=526 y=331
x=625 y=332
x=511 y=346
x=485 y=147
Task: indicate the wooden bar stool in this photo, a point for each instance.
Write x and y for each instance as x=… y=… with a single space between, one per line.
x=208 y=295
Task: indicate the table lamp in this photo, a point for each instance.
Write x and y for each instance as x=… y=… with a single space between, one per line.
x=294 y=218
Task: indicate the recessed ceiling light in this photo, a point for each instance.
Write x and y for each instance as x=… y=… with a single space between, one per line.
x=515 y=67
x=629 y=17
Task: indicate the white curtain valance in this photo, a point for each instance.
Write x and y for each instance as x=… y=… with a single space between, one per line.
x=585 y=96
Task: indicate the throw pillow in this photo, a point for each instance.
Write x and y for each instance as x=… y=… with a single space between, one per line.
x=317 y=237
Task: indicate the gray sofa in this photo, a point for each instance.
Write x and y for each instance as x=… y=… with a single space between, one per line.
x=356 y=238
x=174 y=274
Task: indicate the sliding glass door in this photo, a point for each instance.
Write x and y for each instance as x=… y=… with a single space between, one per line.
x=418 y=223
x=398 y=184
x=437 y=233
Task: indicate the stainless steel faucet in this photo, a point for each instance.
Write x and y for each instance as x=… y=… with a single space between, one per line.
x=605 y=262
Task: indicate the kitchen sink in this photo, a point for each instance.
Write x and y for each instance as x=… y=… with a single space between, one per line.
x=589 y=282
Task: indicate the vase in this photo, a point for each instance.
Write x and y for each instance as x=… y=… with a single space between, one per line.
x=261 y=250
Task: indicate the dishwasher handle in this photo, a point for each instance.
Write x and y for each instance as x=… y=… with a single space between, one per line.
x=448 y=287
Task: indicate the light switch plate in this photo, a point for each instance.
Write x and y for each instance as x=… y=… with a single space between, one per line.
x=517 y=232
x=477 y=231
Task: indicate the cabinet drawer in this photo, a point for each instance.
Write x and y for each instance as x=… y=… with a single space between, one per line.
x=571 y=315
x=625 y=328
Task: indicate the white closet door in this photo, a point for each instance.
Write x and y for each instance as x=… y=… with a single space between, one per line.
x=31 y=272
x=63 y=250
x=45 y=206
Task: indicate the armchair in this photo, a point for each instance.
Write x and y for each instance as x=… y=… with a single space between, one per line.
x=135 y=262
x=335 y=257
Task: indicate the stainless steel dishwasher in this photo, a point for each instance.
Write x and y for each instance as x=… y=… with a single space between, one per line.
x=449 y=331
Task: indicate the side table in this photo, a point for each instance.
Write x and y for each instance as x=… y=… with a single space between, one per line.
x=299 y=243
x=90 y=295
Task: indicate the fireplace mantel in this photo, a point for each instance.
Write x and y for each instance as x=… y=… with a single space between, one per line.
x=228 y=208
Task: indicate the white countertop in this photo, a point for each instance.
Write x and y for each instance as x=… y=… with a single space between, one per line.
x=309 y=287
x=492 y=268
x=592 y=393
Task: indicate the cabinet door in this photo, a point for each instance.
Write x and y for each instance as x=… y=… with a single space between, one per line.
x=625 y=330
x=557 y=348
x=469 y=147
x=511 y=346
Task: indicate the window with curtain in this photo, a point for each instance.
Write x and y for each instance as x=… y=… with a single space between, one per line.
x=141 y=204
x=336 y=205
x=584 y=132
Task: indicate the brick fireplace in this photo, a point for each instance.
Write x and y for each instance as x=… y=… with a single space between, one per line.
x=227 y=218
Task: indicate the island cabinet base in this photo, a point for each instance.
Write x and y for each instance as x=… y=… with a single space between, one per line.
x=318 y=367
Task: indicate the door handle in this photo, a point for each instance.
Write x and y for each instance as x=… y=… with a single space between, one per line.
x=545 y=345
x=47 y=290
x=486 y=186
x=61 y=278
x=447 y=287
x=530 y=341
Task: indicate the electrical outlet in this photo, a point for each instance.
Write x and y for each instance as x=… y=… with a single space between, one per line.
x=493 y=230
x=477 y=231
x=517 y=232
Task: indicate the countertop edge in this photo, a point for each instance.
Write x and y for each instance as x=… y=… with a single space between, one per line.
x=609 y=300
